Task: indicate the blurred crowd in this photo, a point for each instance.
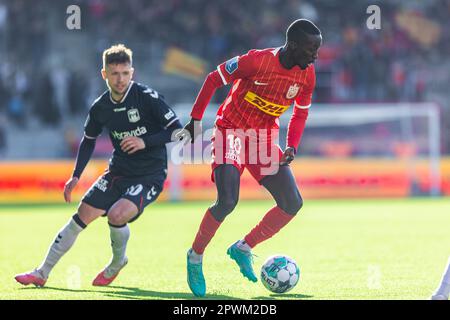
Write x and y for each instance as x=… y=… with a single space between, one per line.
x=358 y=64
x=405 y=60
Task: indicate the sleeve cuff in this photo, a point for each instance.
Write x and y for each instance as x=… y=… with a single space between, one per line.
x=302 y=107
x=221 y=75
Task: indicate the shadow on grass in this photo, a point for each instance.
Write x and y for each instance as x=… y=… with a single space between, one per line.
x=282 y=296
x=139 y=294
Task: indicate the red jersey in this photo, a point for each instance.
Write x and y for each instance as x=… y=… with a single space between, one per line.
x=262 y=89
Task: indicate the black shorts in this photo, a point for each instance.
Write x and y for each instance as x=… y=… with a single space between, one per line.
x=109 y=188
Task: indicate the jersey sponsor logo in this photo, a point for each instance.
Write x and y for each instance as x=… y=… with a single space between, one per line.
x=232 y=65
x=292 y=92
x=133 y=115
x=169 y=115
x=119 y=109
x=265 y=106
x=260 y=83
x=139 y=131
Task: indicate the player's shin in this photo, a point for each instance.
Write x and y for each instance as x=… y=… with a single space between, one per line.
x=63 y=242
x=206 y=232
x=273 y=221
x=119 y=239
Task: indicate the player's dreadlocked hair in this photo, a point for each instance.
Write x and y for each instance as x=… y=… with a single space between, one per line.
x=117 y=54
x=299 y=28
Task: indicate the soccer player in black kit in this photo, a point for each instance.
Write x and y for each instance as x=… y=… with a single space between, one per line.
x=139 y=123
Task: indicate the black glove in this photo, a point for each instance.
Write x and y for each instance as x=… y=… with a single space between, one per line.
x=288 y=156
x=190 y=131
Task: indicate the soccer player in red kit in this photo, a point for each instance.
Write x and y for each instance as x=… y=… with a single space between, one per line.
x=265 y=83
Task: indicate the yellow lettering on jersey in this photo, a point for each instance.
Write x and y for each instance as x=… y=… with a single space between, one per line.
x=265 y=106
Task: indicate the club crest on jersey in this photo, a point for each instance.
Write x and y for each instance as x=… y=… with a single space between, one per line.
x=232 y=65
x=133 y=115
x=292 y=92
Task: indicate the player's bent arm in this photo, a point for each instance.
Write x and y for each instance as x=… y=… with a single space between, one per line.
x=296 y=126
x=85 y=150
x=300 y=113
x=212 y=82
x=162 y=137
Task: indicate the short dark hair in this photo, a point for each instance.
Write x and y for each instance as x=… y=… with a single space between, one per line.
x=117 y=54
x=301 y=27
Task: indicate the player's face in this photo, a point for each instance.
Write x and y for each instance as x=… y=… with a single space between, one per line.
x=118 y=77
x=308 y=51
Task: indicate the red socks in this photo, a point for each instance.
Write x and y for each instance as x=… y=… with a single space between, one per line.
x=272 y=222
x=207 y=229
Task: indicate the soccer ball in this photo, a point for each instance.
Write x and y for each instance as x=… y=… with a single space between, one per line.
x=280 y=273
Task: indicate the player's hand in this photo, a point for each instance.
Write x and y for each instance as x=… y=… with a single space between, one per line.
x=132 y=144
x=190 y=131
x=288 y=156
x=70 y=185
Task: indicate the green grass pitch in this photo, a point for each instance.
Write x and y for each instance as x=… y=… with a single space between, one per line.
x=346 y=249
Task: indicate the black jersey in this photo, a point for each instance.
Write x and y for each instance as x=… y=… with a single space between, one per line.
x=141 y=112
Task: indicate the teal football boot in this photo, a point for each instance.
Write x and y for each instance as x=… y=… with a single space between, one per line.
x=195 y=278
x=244 y=259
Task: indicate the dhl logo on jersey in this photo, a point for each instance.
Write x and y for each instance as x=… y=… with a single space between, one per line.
x=265 y=106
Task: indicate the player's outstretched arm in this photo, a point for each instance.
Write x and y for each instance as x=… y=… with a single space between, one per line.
x=193 y=128
x=68 y=188
x=212 y=82
x=87 y=146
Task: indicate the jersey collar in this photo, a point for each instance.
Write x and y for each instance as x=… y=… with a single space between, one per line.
x=124 y=96
x=275 y=51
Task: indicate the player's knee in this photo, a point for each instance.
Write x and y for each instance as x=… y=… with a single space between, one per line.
x=297 y=205
x=227 y=205
x=117 y=218
x=293 y=204
x=223 y=207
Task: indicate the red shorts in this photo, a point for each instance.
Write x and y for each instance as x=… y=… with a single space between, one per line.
x=254 y=149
